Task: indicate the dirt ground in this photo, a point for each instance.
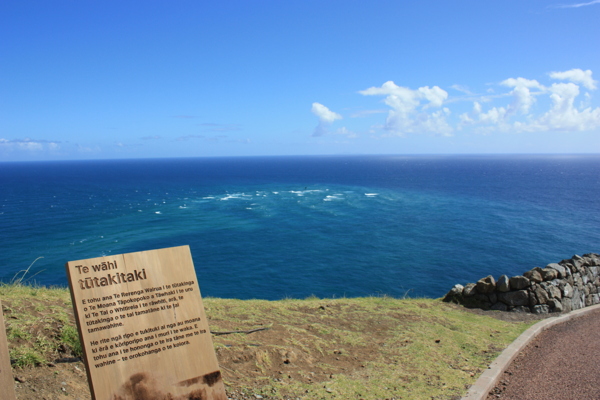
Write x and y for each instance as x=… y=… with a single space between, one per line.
x=242 y=358
x=270 y=355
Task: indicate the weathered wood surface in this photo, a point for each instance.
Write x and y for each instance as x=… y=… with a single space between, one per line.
x=143 y=327
x=7 y=382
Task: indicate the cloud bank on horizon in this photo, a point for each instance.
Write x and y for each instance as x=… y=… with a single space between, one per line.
x=528 y=106
x=28 y=144
x=513 y=105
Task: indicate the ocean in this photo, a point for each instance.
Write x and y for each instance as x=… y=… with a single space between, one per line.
x=294 y=227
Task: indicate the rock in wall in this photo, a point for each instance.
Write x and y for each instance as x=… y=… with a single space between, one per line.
x=559 y=287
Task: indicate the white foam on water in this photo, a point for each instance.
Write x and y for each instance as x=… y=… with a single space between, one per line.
x=331 y=198
x=242 y=196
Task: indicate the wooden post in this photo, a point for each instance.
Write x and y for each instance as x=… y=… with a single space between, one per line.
x=143 y=328
x=7 y=381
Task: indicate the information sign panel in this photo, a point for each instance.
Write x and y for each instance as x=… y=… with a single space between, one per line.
x=143 y=328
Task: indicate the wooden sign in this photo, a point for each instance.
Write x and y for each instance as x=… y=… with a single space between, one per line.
x=7 y=382
x=143 y=328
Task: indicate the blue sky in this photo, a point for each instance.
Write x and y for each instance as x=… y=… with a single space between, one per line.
x=135 y=79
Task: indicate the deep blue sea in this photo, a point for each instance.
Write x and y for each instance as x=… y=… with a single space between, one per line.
x=292 y=227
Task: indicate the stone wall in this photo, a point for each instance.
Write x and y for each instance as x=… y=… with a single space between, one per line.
x=559 y=287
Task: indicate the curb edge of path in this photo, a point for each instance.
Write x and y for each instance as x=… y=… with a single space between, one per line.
x=488 y=379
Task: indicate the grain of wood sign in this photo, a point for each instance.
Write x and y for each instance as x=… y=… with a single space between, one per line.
x=7 y=383
x=143 y=328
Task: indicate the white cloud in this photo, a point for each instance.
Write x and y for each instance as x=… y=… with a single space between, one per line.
x=521 y=82
x=462 y=88
x=578 y=4
x=326 y=118
x=28 y=144
x=407 y=115
x=576 y=76
x=324 y=114
x=523 y=99
x=436 y=122
x=562 y=114
x=435 y=95
x=517 y=104
x=485 y=122
x=494 y=116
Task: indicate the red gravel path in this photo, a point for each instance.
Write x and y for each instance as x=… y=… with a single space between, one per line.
x=562 y=362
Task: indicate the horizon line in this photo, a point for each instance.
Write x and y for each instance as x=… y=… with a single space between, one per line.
x=312 y=155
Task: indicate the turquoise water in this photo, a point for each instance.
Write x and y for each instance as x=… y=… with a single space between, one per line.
x=276 y=227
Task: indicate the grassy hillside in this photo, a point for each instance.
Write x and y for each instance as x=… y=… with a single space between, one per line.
x=348 y=348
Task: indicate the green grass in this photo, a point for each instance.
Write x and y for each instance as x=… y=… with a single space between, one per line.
x=25 y=356
x=424 y=348
x=40 y=323
x=70 y=338
x=388 y=347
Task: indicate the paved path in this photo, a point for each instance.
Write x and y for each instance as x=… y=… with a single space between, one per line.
x=561 y=362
